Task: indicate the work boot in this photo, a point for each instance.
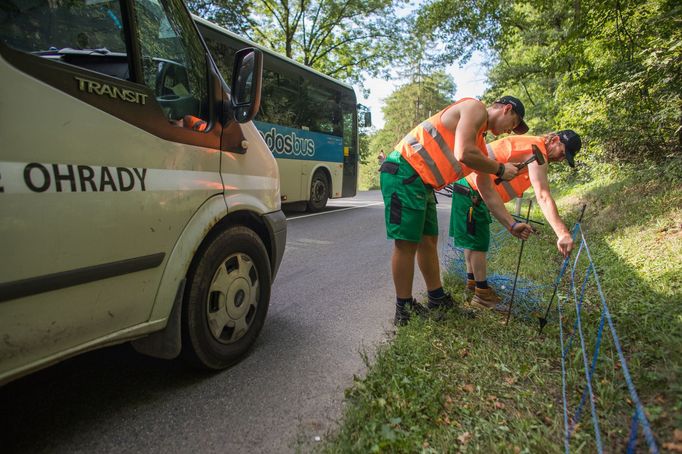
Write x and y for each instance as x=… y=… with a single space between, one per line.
x=445 y=303
x=471 y=285
x=403 y=314
x=487 y=298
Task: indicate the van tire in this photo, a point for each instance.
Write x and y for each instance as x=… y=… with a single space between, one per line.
x=226 y=299
x=319 y=192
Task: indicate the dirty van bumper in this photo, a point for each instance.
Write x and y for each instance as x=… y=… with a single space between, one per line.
x=276 y=223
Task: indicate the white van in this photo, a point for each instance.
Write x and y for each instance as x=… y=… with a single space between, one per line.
x=137 y=200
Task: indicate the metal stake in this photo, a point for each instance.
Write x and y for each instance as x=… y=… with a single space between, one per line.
x=518 y=264
x=543 y=320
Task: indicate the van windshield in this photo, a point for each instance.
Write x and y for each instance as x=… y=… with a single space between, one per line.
x=48 y=26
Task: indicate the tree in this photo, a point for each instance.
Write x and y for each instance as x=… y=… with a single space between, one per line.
x=347 y=39
x=610 y=69
x=409 y=105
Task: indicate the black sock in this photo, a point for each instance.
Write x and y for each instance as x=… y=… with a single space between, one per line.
x=482 y=284
x=436 y=294
x=470 y=276
x=402 y=301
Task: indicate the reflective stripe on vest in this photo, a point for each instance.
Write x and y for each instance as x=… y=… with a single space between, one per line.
x=519 y=148
x=443 y=147
x=429 y=148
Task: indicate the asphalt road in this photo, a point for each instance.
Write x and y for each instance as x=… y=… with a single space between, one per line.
x=332 y=299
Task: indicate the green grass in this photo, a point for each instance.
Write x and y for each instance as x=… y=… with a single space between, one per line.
x=463 y=385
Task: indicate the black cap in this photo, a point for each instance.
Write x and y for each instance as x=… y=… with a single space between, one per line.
x=572 y=142
x=517 y=107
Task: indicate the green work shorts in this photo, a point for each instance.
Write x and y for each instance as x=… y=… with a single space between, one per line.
x=410 y=205
x=469 y=222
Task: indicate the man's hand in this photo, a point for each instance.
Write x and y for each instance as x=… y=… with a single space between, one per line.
x=510 y=171
x=565 y=244
x=521 y=230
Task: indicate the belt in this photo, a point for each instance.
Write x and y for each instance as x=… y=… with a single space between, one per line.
x=461 y=189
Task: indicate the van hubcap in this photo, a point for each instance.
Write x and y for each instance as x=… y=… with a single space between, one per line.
x=233 y=298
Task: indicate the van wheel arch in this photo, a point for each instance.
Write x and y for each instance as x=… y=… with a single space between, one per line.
x=237 y=239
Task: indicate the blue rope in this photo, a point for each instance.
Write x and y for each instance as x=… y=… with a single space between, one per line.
x=567 y=436
x=595 y=421
x=634 y=427
x=576 y=418
x=626 y=373
x=527 y=290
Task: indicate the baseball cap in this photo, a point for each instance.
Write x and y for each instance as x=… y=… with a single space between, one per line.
x=572 y=142
x=517 y=107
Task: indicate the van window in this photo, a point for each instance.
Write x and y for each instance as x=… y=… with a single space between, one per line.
x=173 y=61
x=85 y=33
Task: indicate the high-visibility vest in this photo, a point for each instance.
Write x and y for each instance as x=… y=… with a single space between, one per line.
x=512 y=149
x=430 y=150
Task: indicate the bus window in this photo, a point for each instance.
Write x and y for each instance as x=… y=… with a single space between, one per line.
x=173 y=65
x=308 y=120
x=81 y=33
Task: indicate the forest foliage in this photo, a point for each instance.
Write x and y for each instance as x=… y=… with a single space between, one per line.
x=610 y=69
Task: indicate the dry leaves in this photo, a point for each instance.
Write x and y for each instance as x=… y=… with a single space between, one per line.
x=676 y=445
x=464 y=438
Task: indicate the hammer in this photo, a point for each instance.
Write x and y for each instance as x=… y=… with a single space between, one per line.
x=537 y=156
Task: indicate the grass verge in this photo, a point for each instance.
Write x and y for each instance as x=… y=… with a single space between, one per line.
x=463 y=385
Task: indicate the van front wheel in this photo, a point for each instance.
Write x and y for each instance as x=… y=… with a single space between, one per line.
x=226 y=298
x=319 y=192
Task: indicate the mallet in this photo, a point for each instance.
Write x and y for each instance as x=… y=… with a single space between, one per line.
x=537 y=156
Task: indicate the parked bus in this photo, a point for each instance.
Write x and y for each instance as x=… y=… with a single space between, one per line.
x=138 y=200
x=309 y=121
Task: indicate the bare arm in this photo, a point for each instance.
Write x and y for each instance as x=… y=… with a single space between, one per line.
x=538 y=178
x=466 y=119
x=494 y=202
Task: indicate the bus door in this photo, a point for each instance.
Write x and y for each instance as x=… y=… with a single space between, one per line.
x=350 y=150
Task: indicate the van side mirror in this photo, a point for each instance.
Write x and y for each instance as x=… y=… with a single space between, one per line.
x=247 y=75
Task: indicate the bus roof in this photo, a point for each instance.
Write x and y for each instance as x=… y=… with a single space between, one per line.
x=271 y=52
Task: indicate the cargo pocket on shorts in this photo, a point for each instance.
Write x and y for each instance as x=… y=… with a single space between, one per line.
x=396 y=209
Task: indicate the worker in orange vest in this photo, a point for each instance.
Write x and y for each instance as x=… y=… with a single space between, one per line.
x=439 y=151
x=470 y=217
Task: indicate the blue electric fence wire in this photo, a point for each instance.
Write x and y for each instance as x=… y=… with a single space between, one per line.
x=567 y=437
x=639 y=416
x=576 y=418
x=527 y=292
x=634 y=428
x=648 y=434
x=595 y=421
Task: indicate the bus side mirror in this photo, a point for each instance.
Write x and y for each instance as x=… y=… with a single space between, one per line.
x=367 y=120
x=247 y=75
x=364 y=116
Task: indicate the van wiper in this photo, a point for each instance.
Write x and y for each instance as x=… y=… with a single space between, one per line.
x=53 y=51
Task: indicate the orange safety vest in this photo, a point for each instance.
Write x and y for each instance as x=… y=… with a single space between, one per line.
x=430 y=150
x=512 y=149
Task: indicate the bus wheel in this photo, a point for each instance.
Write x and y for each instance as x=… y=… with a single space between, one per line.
x=319 y=192
x=226 y=299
